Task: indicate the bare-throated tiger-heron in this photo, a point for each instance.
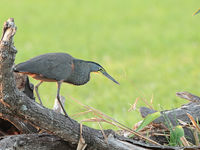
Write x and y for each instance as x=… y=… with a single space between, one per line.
x=60 y=67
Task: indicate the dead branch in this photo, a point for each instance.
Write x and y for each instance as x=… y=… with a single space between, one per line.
x=12 y=123
x=21 y=106
x=173 y=115
x=188 y=96
x=28 y=142
x=15 y=104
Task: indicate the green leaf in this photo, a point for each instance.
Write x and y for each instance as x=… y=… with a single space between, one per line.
x=175 y=136
x=179 y=131
x=148 y=119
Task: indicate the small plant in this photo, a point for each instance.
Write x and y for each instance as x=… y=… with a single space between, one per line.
x=175 y=136
x=148 y=119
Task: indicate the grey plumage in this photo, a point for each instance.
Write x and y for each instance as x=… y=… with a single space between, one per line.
x=60 y=67
x=56 y=66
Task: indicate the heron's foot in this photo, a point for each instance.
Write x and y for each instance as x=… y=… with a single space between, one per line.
x=41 y=103
x=66 y=115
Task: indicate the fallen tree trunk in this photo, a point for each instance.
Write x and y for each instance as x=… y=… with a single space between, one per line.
x=9 y=123
x=179 y=115
x=17 y=104
x=23 y=107
x=14 y=104
x=34 y=142
x=192 y=108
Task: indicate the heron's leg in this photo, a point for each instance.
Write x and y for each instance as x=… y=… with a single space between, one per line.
x=36 y=90
x=58 y=97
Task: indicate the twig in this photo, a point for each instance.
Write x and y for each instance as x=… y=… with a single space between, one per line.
x=188 y=96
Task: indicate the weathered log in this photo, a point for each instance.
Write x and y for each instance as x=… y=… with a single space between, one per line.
x=23 y=84
x=21 y=125
x=34 y=142
x=171 y=117
x=192 y=108
x=51 y=142
x=24 y=108
x=10 y=124
x=188 y=96
x=15 y=103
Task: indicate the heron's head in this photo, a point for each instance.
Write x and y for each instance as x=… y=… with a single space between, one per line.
x=95 y=67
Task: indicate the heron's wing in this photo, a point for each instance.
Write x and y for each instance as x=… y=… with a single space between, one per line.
x=57 y=66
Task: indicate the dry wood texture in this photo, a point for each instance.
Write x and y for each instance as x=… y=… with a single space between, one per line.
x=17 y=104
x=19 y=108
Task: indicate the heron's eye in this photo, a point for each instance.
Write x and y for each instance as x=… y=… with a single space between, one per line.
x=101 y=69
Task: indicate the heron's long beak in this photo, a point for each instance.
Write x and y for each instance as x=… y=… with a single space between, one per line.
x=109 y=77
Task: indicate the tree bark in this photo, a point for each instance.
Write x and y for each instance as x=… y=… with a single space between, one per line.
x=180 y=113
x=15 y=104
x=34 y=142
x=172 y=116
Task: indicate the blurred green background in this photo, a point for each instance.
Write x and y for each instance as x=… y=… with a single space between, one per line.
x=150 y=47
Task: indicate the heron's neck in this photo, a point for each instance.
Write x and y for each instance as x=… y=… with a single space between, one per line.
x=81 y=73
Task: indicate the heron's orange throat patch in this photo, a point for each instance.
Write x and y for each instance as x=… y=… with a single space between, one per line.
x=96 y=72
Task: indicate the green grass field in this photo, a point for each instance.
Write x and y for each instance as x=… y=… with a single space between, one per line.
x=150 y=47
